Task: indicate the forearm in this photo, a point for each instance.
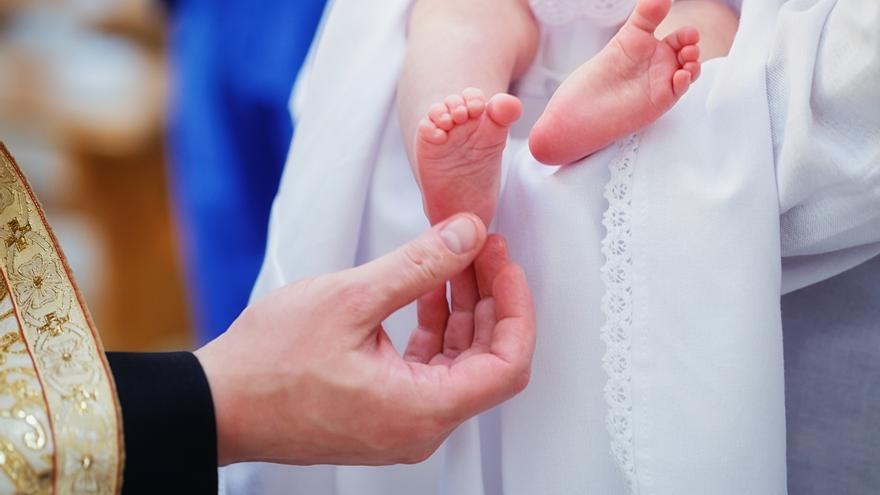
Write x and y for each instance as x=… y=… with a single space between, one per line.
x=716 y=22
x=455 y=44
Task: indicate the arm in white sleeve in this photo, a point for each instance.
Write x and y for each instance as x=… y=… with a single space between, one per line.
x=823 y=82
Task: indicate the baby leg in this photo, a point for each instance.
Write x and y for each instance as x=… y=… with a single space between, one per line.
x=455 y=44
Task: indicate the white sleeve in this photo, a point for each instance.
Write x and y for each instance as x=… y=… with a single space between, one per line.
x=298 y=94
x=823 y=83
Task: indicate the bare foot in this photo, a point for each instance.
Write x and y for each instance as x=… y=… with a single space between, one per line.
x=634 y=80
x=458 y=153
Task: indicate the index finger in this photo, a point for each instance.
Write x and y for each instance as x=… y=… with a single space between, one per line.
x=514 y=338
x=483 y=380
x=489 y=263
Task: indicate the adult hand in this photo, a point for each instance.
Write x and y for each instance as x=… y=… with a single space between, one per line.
x=307 y=375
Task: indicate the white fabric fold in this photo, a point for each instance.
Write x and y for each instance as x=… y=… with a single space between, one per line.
x=708 y=384
x=823 y=79
x=351 y=92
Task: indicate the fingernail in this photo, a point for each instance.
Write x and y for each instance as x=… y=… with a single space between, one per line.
x=460 y=235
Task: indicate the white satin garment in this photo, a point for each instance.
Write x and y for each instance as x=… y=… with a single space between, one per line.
x=690 y=278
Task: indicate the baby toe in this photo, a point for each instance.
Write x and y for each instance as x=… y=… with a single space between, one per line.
x=690 y=53
x=504 y=109
x=476 y=108
x=648 y=14
x=475 y=101
x=473 y=94
x=688 y=36
x=460 y=115
x=681 y=81
x=439 y=115
x=683 y=37
x=428 y=131
x=458 y=110
x=694 y=69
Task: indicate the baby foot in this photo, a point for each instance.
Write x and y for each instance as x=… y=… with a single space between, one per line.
x=634 y=80
x=458 y=153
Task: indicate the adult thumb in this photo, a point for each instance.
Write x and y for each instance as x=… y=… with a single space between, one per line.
x=420 y=265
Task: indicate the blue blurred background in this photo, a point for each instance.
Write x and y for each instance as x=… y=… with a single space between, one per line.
x=234 y=63
x=155 y=133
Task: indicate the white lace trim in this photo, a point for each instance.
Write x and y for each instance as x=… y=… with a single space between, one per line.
x=600 y=12
x=617 y=306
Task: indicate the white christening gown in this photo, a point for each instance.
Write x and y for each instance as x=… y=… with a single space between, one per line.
x=656 y=264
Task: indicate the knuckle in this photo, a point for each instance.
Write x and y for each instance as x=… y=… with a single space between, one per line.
x=422 y=260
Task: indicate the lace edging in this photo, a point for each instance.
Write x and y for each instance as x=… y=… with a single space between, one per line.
x=617 y=308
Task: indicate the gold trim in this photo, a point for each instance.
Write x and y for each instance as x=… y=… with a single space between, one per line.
x=23 y=475
x=84 y=444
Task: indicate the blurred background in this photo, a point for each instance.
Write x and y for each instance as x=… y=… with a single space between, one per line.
x=154 y=132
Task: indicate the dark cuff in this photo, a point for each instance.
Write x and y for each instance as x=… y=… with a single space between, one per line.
x=169 y=424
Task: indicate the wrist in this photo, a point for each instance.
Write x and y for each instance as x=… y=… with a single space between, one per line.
x=228 y=448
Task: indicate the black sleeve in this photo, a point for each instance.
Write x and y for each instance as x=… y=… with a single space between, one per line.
x=168 y=420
